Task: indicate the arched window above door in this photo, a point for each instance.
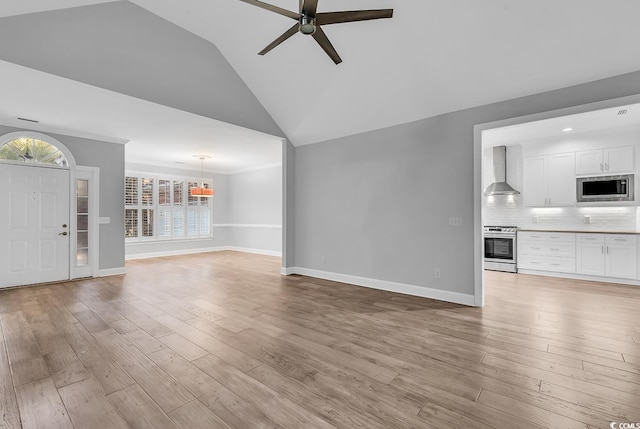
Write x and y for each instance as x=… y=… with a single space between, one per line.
x=32 y=150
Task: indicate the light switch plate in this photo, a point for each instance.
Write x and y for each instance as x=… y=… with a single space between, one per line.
x=455 y=221
x=104 y=220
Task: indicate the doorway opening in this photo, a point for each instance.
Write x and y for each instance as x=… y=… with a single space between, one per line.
x=535 y=139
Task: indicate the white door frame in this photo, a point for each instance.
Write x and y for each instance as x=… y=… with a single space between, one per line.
x=75 y=172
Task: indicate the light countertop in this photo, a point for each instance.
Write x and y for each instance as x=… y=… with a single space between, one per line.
x=578 y=231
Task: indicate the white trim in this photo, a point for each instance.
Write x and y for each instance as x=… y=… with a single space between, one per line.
x=179 y=252
x=406 y=289
x=632 y=282
x=287 y=271
x=256 y=251
x=250 y=169
x=16 y=123
x=245 y=225
x=111 y=272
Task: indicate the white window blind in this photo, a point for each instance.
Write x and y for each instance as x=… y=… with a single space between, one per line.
x=160 y=208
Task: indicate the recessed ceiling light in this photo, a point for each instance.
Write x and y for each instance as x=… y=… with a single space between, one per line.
x=566 y=130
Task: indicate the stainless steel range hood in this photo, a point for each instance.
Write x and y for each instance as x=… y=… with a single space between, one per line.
x=500 y=186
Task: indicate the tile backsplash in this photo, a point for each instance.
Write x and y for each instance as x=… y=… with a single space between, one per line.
x=508 y=210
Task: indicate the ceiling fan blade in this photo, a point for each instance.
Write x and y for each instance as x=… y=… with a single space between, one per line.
x=273 y=8
x=324 y=42
x=309 y=8
x=350 y=16
x=290 y=32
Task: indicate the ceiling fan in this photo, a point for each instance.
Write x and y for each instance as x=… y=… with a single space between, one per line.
x=308 y=22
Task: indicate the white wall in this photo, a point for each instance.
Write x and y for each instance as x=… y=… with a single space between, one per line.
x=255 y=210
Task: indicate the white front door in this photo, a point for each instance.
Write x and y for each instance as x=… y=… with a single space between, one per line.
x=34 y=225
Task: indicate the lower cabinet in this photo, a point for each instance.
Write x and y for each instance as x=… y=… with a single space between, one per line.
x=608 y=255
x=547 y=251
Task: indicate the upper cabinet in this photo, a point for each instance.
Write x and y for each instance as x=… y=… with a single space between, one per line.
x=549 y=181
x=605 y=161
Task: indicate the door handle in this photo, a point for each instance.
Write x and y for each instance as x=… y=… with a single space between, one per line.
x=64 y=233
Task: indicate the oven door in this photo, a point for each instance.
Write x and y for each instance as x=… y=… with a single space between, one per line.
x=499 y=248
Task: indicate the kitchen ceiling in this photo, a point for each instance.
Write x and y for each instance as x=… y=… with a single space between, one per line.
x=597 y=120
x=432 y=57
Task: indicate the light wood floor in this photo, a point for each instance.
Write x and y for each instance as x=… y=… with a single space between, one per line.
x=222 y=340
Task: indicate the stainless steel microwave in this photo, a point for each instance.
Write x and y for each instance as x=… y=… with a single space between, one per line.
x=605 y=188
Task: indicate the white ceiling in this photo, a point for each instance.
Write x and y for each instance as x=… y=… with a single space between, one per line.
x=432 y=57
x=20 y=7
x=107 y=115
x=580 y=123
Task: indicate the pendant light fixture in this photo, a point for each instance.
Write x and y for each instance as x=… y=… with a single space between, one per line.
x=202 y=191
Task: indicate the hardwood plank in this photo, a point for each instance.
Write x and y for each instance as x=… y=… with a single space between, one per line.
x=183 y=347
x=40 y=406
x=8 y=403
x=531 y=413
x=138 y=410
x=279 y=410
x=231 y=408
x=163 y=389
x=25 y=359
x=195 y=415
x=143 y=341
x=88 y=407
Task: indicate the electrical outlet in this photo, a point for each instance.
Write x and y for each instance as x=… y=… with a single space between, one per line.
x=455 y=221
x=437 y=274
x=587 y=219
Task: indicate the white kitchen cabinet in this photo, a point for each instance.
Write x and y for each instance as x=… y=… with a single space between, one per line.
x=608 y=255
x=547 y=251
x=549 y=181
x=603 y=161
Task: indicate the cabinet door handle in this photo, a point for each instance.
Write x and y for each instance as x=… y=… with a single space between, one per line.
x=549 y=201
x=619 y=239
x=602 y=249
x=554 y=249
x=535 y=248
x=555 y=265
x=601 y=167
x=607 y=250
x=606 y=166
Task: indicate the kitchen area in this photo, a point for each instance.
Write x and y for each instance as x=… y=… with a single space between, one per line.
x=561 y=197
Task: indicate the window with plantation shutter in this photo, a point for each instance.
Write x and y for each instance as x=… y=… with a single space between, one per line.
x=160 y=208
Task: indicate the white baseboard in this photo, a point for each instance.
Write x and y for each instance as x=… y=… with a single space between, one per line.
x=111 y=272
x=630 y=282
x=406 y=289
x=135 y=256
x=174 y=252
x=287 y=271
x=256 y=251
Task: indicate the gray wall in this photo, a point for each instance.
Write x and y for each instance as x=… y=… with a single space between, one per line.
x=124 y=48
x=109 y=157
x=377 y=204
x=255 y=198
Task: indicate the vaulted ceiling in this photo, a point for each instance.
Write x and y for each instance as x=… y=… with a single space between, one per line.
x=432 y=57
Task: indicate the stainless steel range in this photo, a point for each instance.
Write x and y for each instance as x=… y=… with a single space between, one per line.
x=500 y=248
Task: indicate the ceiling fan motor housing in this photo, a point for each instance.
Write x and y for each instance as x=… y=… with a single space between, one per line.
x=307 y=25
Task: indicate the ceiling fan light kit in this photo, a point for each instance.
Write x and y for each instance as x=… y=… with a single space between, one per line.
x=309 y=23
